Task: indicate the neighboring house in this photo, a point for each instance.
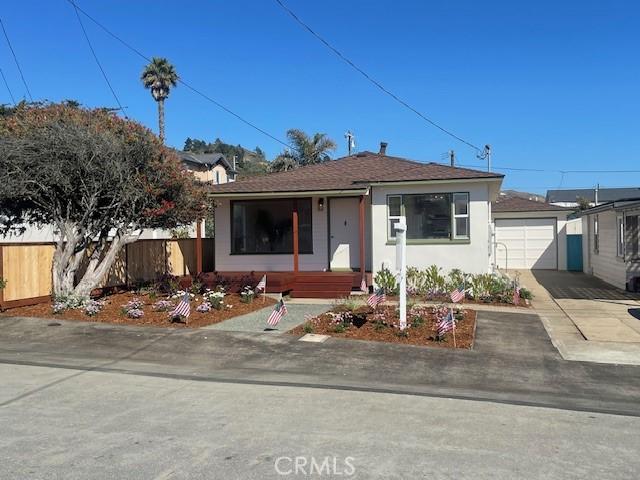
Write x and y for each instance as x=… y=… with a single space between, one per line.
x=611 y=242
x=595 y=196
x=529 y=234
x=339 y=216
x=527 y=195
x=209 y=167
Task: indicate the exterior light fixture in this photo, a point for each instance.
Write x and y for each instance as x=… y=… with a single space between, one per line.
x=321 y=204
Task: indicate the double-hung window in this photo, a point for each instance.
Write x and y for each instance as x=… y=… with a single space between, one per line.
x=430 y=216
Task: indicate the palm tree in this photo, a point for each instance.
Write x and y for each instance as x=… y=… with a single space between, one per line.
x=159 y=76
x=306 y=151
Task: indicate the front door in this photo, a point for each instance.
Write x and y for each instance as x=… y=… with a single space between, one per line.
x=344 y=231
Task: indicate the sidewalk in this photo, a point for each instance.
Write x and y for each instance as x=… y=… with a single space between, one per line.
x=586 y=329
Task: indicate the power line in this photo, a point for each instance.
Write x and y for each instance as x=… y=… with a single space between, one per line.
x=15 y=58
x=95 y=57
x=371 y=79
x=7 y=85
x=182 y=82
x=541 y=170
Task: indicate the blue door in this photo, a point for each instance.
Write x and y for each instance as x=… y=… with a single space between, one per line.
x=574 y=253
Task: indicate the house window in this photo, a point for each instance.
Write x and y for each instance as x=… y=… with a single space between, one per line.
x=633 y=237
x=266 y=226
x=430 y=216
x=217 y=177
x=596 y=235
x=620 y=236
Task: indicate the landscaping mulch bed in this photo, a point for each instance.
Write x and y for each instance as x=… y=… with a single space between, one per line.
x=112 y=311
x=382 y=329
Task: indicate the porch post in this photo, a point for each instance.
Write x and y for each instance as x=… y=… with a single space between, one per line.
x=295 y=236
x=1 y=277
x=199 y=247
x=362 y=252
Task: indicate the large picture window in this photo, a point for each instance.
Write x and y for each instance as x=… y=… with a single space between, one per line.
x=430 y=216
x=266 y=226
x=633 y=237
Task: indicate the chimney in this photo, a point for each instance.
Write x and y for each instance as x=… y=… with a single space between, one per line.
x=383 y=148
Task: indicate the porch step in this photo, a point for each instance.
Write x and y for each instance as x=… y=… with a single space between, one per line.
x=319 y=294
x=322 y=285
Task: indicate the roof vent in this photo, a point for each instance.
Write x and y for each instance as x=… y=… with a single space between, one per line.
x=383 y=148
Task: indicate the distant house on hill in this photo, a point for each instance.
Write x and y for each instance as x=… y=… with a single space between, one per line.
x=209 y=167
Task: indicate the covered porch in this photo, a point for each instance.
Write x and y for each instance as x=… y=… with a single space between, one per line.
x=309 y=244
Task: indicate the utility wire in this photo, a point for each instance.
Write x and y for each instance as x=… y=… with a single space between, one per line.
x=7 y=85
x=15 y=58
x=371 y=79
x=95 y=57
x=182 y=82
x=518 y=169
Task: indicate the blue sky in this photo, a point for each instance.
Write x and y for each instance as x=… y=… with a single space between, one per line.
x=551 y=85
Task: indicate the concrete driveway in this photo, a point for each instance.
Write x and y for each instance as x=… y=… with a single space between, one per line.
x=586 y=318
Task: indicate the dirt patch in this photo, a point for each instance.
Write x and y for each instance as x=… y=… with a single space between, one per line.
x=112 y=312
x=382 y=326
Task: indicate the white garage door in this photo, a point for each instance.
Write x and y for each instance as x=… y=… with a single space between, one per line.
x=529 y=243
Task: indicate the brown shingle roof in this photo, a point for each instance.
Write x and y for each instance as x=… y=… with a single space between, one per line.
x=519 y=204
x=350 y=173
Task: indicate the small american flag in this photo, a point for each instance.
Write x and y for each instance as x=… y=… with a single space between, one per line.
x=516 y=295
x=446 y=324
x=262 y=284
x=457 y=294
x=279 y=311
x=376 y=297
x=363 y=285
x=183 y=309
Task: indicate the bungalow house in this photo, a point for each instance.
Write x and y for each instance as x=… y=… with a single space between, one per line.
x=336 y=219
x=611 y=242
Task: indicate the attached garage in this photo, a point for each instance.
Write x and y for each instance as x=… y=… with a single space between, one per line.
x=529 y=243
x=529 y=235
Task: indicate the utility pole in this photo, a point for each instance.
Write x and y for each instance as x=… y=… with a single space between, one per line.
x=596 y=194
x=487 y=150
x=350 y=141
x=452 y=158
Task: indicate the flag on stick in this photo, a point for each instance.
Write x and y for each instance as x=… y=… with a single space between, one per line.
x=183 y=309
x=279 y=311
x=363 y=285
x=446 y=324
x=376 y=298
x=457 y=294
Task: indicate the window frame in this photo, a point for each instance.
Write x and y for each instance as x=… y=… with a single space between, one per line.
x=620 y=236
x=453 y=236
x=248 y=200
x=596 y=234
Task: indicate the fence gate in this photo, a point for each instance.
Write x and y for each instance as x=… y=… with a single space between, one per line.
x=574 y=252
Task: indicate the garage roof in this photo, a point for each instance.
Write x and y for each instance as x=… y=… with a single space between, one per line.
x=518 y=204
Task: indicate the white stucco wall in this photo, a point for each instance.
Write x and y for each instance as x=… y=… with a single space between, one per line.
x=224 y=261
x=605 y=264
x=472 y=257
x=561 y=229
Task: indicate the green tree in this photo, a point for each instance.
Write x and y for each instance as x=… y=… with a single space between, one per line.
x=159 y=76
x=98 y=179
x=306 y=151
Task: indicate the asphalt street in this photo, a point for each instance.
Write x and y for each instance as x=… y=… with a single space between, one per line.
x=66 y=424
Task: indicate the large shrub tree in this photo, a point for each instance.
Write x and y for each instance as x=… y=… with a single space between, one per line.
x=97 y=178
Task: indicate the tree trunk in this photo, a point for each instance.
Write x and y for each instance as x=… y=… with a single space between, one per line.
x=161 y=119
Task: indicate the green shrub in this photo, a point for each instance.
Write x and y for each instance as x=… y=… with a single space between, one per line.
x=339 y=328
x=387 y=281
x=434 y=281
x=3 y=283
x=308 y=327
x=525 y=293
x=417 y=321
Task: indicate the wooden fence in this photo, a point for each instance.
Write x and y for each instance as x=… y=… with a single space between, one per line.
x=26 y=268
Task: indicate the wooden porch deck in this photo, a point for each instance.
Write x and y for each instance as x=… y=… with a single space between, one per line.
x=296 y=284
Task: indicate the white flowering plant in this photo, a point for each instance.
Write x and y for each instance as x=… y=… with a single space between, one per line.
x=247 y=294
